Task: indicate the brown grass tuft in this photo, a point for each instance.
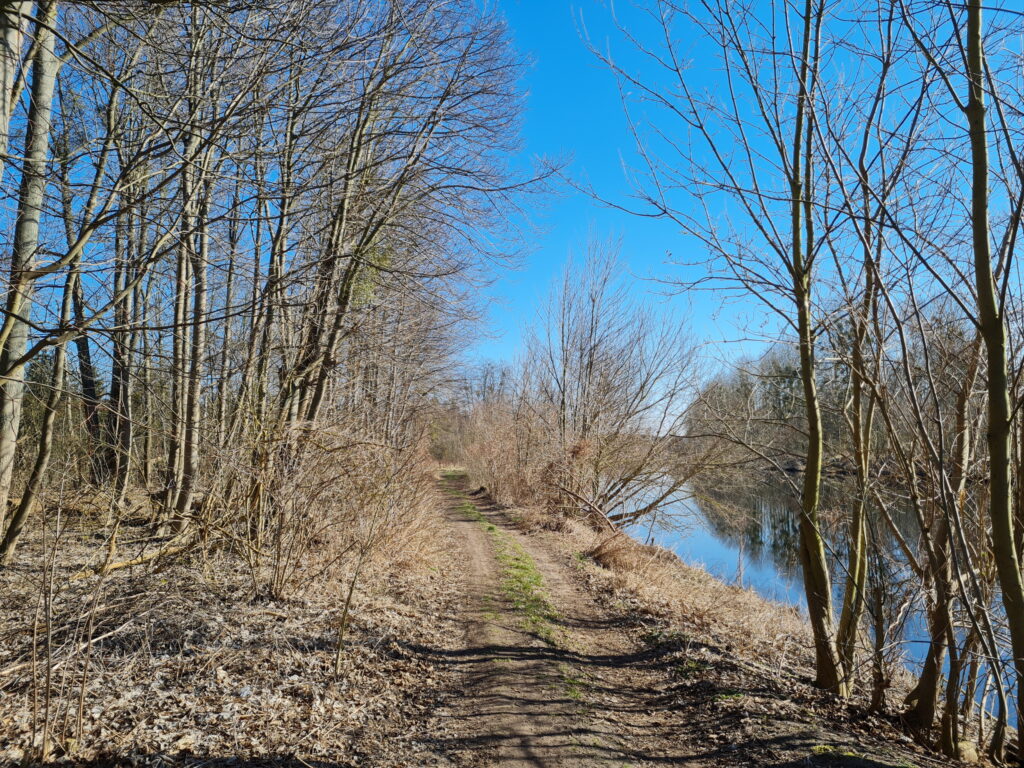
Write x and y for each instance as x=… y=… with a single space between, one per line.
x=621 y=553
x=533 y=519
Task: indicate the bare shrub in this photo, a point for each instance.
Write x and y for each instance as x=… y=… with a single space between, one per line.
x=341 y=510
x=324 y=496
x=589 y=425
x=506 y=448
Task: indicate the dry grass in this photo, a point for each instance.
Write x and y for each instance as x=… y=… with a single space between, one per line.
x=774 y=635
x=625 y=555
x=532 y=519
x=204 y=672
x=193 y=656
x=654 y=579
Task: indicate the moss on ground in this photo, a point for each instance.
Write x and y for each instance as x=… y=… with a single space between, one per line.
x=523 y=584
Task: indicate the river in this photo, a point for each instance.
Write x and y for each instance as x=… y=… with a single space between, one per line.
x=746 y=533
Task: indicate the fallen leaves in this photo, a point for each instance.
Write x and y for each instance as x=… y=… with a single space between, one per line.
x=209 y=674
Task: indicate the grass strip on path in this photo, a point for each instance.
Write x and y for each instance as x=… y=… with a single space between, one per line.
x=521 y=581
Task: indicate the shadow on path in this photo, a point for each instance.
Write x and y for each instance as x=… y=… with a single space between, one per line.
x=599 y=695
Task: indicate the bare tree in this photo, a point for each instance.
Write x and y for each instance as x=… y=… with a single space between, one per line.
x=755 y=145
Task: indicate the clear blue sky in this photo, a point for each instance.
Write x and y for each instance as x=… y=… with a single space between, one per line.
x=574 y=110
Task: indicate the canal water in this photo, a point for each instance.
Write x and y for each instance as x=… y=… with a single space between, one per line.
x=728 y=556
x=748 y=535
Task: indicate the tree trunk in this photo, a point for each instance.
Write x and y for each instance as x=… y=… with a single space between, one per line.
x=993 y=331
x=13 y=18
x=14 y=332
x=817 y=584
x=197 y=341
x=861 y=421
x=27 y=503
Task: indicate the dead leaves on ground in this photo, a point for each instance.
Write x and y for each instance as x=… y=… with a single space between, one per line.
x=203 y=673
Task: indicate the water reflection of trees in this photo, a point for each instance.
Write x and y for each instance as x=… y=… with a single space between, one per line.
x=758 y=513
x=759 y=517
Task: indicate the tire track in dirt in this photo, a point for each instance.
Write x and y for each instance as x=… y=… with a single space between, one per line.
x=583 y=699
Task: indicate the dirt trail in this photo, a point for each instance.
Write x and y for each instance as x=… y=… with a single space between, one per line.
x=571 y=691
x=550 y=669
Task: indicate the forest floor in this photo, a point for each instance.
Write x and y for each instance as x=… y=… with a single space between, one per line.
x=505 y=644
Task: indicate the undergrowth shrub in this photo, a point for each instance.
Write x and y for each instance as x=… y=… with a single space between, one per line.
x=327 y=498
x=507 y=454
x=100 y=587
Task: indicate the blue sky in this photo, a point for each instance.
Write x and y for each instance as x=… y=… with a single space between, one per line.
x=574 y=111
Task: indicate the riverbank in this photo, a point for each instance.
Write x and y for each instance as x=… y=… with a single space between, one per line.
x=480 y=639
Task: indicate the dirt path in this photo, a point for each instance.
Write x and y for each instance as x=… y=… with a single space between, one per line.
x=545 y=668
x=568 y=688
